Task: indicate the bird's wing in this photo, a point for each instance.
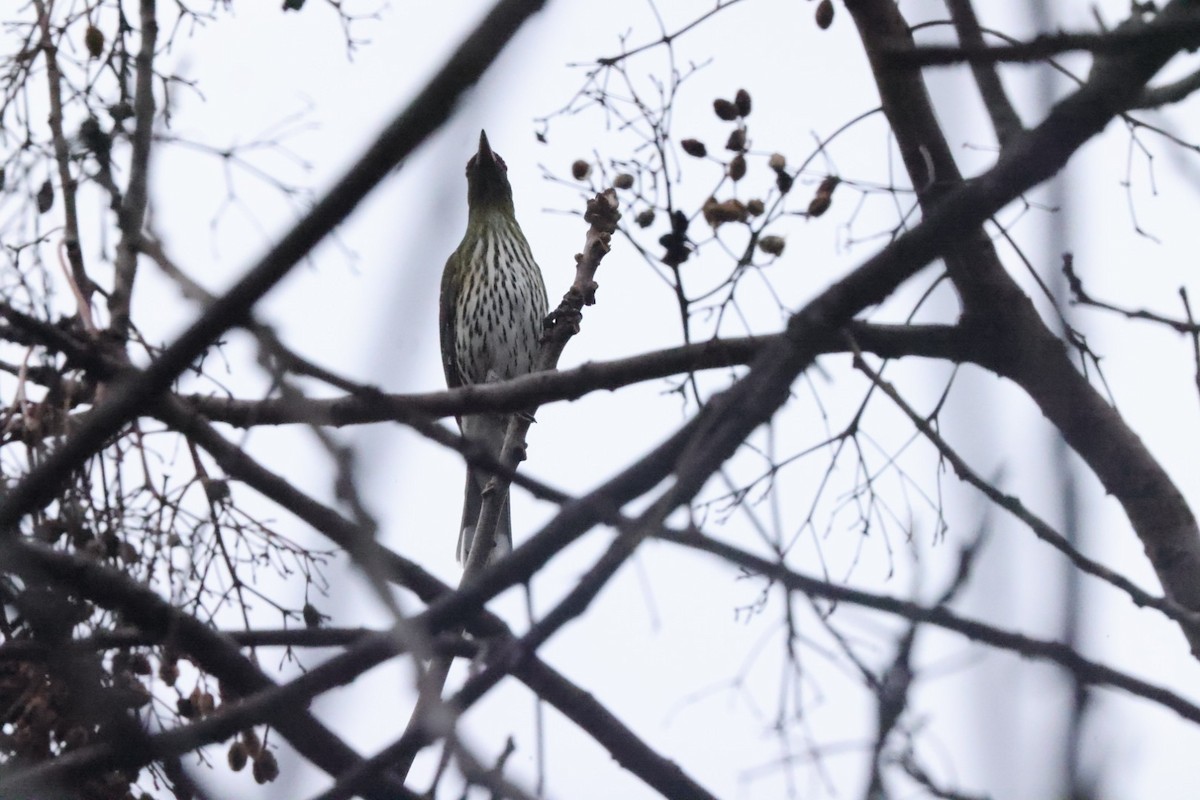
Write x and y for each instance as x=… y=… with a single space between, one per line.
x=446 y=308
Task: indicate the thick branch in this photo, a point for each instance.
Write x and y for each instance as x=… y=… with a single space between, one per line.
x=530 y=391
x=1015 y=341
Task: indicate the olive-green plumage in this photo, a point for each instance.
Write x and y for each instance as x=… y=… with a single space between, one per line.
x=492 y=304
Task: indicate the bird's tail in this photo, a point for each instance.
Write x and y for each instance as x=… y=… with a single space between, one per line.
x=472 y=503
x=489 y=430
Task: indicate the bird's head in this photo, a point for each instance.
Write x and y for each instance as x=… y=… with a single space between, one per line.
x=487 y=180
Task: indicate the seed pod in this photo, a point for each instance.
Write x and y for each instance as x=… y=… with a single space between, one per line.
x=694 y=147
x=777 y=162
x=679 y=222
x=771 y=245
x=312 y=617
x=252 y=742
x=127 y=553
x=45 y=197
x=266 y=768
x=168 y=672
x=823 y=197
x=93 y=40
x=717 y=214
x=580 y=170
x=725 y=109
x=737 y=167
x=825 y=14
x=217 y=489
x=237 y=756
x=737 y=140
x=645 y=218
x=742 y=101
x=623 y=181
x=755 y=207
x=784 y=182
x=139 y=664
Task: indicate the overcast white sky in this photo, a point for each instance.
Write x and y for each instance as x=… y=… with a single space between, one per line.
x=663 y=645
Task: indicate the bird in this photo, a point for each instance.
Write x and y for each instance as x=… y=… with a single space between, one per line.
x=490 y=313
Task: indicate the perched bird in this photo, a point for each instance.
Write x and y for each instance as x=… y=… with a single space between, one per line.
x=492 y=304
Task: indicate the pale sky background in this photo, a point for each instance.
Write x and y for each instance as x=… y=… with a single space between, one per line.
x=663 y=645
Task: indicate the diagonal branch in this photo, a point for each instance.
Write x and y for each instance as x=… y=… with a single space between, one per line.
x=132 y=211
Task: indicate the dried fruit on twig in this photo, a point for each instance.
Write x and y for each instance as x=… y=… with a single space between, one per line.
x=717 y=214
x=694 y=147
x=777 y=162
x=771 y=245
x=45 y=197
x=93 y=40
x=823 y=197
x=737 y=167
x=623 y=181
x=783 y=181
x=675 y=242
x=645 y=218
x=742 y=101
x=725 y=109
x=580 y=170
x=755 y=207
x=266 y=768
x=737 y=140
x=824 y=14
x=237 y=756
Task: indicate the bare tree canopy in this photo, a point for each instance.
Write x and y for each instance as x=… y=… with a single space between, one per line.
x=865 y=402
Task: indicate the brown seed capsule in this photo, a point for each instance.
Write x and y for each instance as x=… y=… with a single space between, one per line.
x=312 y=617
x=168 y=672
x=237 y=756
x=645 y=218
x=784 y=182
x=694 y=147
x=252 y=742
x=737 y=140
x=737 y=167
x=725 y=109
x=828 y=185
x=819 y=205
x=45 y=197
x=266 y=768
x=742 y=101
x=127 y=553
x=623 y=181
x=93 y=40
x=771 y=245
x=580 y=170
x=217 y=489
x=825 y=14
x=717 y=214
x=777 y=162
x=755 y=207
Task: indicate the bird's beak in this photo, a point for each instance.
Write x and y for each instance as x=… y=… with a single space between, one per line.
x=485 y=150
